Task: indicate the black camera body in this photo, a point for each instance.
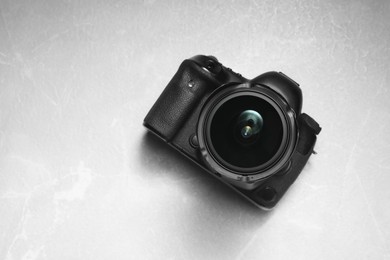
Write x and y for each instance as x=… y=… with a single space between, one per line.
x=250 y=134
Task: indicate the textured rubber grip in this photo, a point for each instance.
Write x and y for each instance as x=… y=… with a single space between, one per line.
x=179 y=99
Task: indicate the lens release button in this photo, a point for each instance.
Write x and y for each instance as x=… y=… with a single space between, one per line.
x=194 y=141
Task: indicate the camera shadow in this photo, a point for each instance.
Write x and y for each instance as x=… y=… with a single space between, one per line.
x=216 y=211
x=160 y=158
x=164 y=159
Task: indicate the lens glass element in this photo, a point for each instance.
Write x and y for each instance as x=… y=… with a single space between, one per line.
x=246 y=131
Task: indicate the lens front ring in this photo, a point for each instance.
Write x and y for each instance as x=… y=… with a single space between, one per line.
x=221 y=163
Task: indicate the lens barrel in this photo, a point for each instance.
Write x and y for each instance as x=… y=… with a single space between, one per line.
x=246 y=131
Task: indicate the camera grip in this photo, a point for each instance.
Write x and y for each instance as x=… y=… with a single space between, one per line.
x=178 y=100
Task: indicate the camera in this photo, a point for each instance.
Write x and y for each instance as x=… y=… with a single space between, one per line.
x=250 y=134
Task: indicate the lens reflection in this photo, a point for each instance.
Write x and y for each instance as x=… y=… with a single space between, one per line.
x=249 y=125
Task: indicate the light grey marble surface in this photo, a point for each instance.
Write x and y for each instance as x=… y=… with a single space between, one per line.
x=80 y=179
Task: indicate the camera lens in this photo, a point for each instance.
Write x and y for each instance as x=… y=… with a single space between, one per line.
x=245 y=131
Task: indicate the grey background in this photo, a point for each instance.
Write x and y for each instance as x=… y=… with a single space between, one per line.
x=80 y=179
